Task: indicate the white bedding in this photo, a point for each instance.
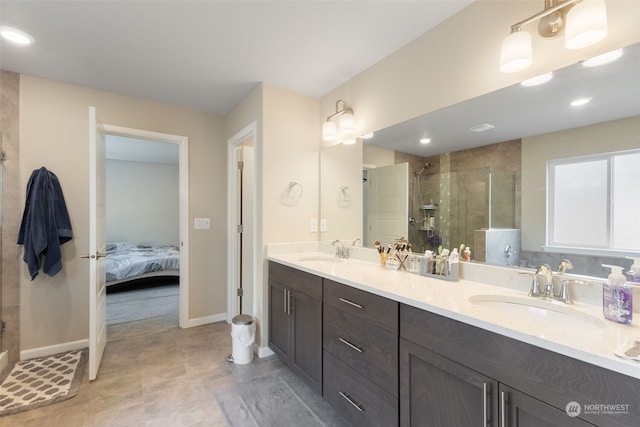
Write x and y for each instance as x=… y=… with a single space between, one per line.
x=129 y=260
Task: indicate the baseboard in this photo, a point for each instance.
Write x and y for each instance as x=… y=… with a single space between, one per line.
x=199 y=321
x=264 y=352
x=4 y=360
x=53 y=349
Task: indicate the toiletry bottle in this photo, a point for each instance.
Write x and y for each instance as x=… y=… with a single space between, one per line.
x=617 y=297
x=633 y=275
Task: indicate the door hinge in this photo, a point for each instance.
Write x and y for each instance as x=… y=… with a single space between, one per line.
x=240 y=292
x=3 y=326
x=240 y=229
x=240 y=164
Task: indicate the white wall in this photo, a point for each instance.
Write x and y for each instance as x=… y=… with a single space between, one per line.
x=142 y=202
x=54 y=129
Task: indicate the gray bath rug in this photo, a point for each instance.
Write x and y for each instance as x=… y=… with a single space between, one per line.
x=34 y=383
x=278 y=398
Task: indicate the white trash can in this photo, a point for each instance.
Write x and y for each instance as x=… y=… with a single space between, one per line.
x=243 y=333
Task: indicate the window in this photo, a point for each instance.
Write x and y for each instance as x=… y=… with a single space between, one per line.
x=593 y=202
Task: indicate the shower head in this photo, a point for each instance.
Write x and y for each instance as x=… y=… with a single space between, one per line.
x=426 y=166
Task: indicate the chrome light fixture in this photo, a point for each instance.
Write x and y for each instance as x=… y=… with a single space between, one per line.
x=584 y=23
x=346 y=124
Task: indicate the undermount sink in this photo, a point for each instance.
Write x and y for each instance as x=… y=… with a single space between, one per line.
x=323 y=259
x=542 y=312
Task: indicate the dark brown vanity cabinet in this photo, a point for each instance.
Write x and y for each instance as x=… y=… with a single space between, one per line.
x=295 y=321
x=439 y=392
x=360 y=342
x=452 y=373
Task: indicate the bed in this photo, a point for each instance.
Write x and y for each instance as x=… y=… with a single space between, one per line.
x=128 y=261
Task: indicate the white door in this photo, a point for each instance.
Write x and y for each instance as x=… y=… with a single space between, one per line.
x=388 y=206
x=247 y=229
x=97 y=245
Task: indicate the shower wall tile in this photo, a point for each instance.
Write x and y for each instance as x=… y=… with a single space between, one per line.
x=9 y=273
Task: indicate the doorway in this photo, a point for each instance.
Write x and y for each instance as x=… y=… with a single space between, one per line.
x=133 y=154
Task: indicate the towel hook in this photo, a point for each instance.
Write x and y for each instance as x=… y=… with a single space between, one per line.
x=292 y=194
x=344 y=196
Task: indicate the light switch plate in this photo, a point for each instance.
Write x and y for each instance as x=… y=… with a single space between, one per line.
x=202 y=223
x=314 y=225
x=323 y=225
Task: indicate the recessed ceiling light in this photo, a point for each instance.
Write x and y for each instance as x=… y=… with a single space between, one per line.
x=537 y=80
x=425 y=140
x=481 y=128
x=367 y=135
x=580 y=101
x=16 y=36
x=605 y=58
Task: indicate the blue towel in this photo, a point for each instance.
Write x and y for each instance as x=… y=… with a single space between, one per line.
x=45 y=223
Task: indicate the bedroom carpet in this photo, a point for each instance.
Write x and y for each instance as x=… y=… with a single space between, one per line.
x=277 y=398
x=143 y=310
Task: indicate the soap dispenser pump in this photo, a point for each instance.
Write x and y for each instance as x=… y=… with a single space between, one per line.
x=617 y=297
x=633 y=275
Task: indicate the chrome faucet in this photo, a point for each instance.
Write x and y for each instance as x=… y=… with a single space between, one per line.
x=545 y=274
x=356 y=241
x=548 y=278
x=341 y=250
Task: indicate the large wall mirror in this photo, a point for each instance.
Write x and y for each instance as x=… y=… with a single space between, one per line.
x=481 y=181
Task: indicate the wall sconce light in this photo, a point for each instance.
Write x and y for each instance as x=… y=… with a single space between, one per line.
x=583 y=22
x=346 y=124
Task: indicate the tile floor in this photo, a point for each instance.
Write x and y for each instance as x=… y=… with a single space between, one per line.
x=160 y=379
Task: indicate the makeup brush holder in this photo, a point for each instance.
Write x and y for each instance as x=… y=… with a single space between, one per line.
x=402 y=258
x=384 y=256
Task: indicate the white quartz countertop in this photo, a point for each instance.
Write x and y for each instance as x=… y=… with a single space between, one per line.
x=590 y=338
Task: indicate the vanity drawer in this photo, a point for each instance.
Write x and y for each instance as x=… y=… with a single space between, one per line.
x=371 y=308
x=368 y=349
x=361 y=402
x=301 y=281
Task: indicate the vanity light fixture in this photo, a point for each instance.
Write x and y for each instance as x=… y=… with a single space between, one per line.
x=537 y=80
x=605 y=58
x=584 y=22
x=15 y=35
x=346 y=124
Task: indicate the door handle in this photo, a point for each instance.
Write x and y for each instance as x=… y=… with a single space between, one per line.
x=98 y=255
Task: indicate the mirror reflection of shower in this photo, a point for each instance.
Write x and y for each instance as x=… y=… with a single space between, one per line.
x=417 y=194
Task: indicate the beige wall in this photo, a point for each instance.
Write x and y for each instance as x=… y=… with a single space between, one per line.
x=342 y=209
x=286 y=149
x=458 y=60
x=606 y=137
x=54 y=133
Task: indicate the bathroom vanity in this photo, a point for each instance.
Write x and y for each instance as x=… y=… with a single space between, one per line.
x=393 y=348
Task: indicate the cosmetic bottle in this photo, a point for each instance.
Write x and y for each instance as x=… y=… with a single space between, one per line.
x=633 y=275
x=617 y=297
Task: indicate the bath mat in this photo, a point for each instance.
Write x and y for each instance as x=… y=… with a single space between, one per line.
x=34 y=383
x=278 y=398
